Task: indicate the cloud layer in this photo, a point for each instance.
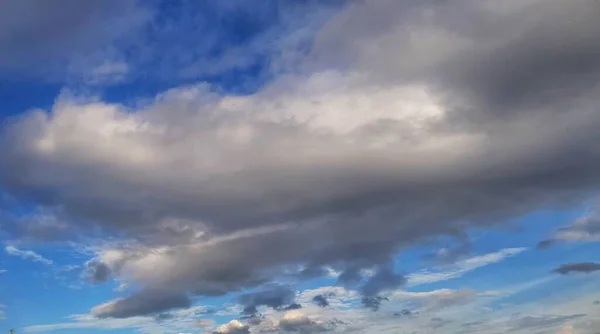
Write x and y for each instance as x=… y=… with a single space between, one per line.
x=346 y=157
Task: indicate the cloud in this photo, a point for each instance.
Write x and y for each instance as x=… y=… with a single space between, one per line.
x=96 y=272
x=439 y=322
x=276 y=297
x=38 y=38
x=541 y=322
x=585 y=267
x=82 y=321
x=386 y=135
x=384 y=279
x=298 y=322
x=27 y=255
x=144 y=302
x=435 y=300
x=320 y=301
x=233 y=327
x=583 y=229
x=373 y=302
x=462 y=267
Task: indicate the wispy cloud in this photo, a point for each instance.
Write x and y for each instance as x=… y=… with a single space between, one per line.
x=461 y=267
x=27 y=255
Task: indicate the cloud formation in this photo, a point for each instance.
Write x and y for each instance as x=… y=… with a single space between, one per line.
x=341 y=163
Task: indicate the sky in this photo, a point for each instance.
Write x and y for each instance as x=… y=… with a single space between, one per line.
x=300 y=166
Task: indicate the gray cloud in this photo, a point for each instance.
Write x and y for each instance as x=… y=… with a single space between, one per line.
x=320 y=300
x=276 y=297
x=584 y=267
x=541 y=322
x=305 y=173
x=583 y=229
x=143 y=303
x=439 y=322
x=97 y=272
x=383 y=279
x=42 y=38
x=373 y=302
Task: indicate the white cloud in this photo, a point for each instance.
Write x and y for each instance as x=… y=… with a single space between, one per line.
x=462 y=267
x=27 y=255
x=233 y=327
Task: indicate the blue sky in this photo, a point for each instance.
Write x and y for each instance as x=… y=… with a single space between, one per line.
x=230 y=167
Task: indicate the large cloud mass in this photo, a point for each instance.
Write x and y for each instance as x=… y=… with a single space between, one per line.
x=441 y=117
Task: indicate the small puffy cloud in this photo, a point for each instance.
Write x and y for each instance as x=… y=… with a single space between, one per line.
x=584 y=267
x=145 y=302
x=27 y=255
x=233 y=327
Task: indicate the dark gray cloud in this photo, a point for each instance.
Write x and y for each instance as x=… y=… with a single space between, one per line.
x=143 y=303
x=383 y=279
x=320 y=300
x=373 y=302
x=96 y=272
x=304 y=174
x=276 y=297
x=291 y=307
x=584 y=267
